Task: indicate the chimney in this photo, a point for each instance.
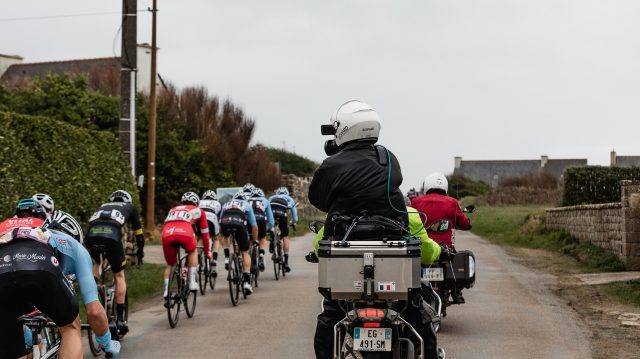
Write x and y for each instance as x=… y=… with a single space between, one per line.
x=543 y=161
x=614 y=158
x=457 y=162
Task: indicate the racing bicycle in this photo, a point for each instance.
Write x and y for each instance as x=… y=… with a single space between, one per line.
x=178 y=293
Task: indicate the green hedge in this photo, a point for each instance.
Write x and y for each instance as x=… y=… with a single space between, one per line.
x=595 y=184
x=79 y=168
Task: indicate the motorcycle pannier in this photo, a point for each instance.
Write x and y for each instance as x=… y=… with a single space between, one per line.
x=462 y=273
x=383 y=270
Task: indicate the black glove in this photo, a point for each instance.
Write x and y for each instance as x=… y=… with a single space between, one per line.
x=446 y=254
x=312 y=257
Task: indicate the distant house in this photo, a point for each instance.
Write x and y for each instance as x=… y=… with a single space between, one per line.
x=102 y=73
x=624 y=161
x=492 y=172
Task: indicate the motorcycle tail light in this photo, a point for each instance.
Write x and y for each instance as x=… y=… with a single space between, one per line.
x=371 y=324
x=371 y=314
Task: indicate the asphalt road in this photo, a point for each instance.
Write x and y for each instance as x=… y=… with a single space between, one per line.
x=508 y=314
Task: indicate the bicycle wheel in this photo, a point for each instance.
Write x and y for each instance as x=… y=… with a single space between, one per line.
x=254 y=266
x=280 y=258
x=276 y=259
x=174 y=300
x=202 y=273
x=234 y=279
x=94 y=346
x=190 y=297
x=213 y=275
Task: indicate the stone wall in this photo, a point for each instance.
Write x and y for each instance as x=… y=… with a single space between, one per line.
x=613 y=226
x=299 y=190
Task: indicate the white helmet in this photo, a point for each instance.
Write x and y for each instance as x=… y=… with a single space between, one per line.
x=190 y=197
x=282 y=191
x=65 y=222
x=45 y=201
x=209 y=194
x=435 y=181
x=355 y=120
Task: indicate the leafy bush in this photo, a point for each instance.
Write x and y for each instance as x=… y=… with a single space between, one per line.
x=595 y=184
x=79 y=168
x=460 y=186
x=291 y=163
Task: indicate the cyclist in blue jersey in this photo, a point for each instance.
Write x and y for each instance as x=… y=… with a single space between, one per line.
x=281 y=203
x=67 y=238
x=235 y=216
x=264 y=218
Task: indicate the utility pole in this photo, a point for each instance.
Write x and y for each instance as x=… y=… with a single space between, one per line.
x=128 y=60
x=151 y=165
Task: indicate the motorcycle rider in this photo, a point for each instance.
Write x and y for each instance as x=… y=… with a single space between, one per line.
x=438 y=206
x=354 y=178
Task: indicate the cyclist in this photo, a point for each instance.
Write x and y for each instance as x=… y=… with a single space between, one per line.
x=264 y=219
x=179 y=229
x=235 y=216
x=105 y=229
x=66 y=238
x=438 y=206
x=45 y=201
x=209 y=203
x=281 y=202
x=30 y=275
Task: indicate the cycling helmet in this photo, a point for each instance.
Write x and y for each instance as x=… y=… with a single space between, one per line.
x=248 y=188
x=283 y=191
x=28 y=207
x=354 y=120
x=258 y=193
x=64 y=222
x=190 y=198
x=120 y=196
x=243 y=196
x=210 y=195
x=45 y=201
x=436 y=182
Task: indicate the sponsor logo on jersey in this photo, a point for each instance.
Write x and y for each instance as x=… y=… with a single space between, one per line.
x=54 y=261
x=31 y=257
x=6 y=258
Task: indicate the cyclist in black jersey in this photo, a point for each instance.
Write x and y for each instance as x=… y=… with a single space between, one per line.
x=31 y=275
x=105 y=228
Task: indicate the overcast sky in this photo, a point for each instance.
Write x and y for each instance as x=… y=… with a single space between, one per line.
x=482 y=79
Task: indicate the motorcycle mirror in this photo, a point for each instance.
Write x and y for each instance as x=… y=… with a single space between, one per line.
x=469 y=209
x=327 y=130
x=315 y=226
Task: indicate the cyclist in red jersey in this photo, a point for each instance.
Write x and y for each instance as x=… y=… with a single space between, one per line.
x=438 y=206
x=178 y=229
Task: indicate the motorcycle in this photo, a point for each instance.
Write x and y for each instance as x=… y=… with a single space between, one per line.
x=452 y=272
x=372 y=277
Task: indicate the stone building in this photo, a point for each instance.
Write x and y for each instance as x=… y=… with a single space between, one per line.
x=624 y=161
x=492 y=172
x=103 y=73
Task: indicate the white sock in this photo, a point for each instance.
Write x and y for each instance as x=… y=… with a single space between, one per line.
x=192 y=274
x=166 y=287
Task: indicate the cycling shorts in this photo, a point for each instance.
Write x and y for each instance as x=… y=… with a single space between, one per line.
x=283 y=223
x=262 y=228
x=44 y=288
x=177 y=234
x=240 y=230
x=114 y=252
x=105 y=230
x=214 y=227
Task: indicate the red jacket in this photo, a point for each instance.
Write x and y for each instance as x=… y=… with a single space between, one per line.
x=438 y=207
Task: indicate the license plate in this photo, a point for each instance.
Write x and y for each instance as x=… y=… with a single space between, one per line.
x=433 y=274
x=372 y=339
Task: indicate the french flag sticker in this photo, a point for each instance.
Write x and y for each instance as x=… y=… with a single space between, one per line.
x=386 y=286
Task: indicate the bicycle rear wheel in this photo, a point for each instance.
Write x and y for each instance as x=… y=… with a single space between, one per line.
x=174 y=300
x=275 y=258
x=280 y=258
x=190 y=298
x=213 y=275
x=255 y=269
x=233 y=276
x=94 y=346
x=202 y=271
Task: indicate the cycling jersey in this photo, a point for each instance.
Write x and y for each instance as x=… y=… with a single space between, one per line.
x=280 y=203
x=237 y=211
x=108 y=220
x=179 y=229
x=212 y=210
x=262 y=210
x=75 y=260
x=441 y=207
x=12 y=223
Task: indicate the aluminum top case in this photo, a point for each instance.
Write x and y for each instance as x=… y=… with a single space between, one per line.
x=368 y=270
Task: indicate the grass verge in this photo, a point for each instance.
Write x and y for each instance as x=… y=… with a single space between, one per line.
x=142 y=282
x=623 y=292
x=523 y=226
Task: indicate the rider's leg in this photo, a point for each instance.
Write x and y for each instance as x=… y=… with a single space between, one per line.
x=71 y=344
x=192 y=262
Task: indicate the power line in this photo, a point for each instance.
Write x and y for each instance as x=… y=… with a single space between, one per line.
x=63 y=16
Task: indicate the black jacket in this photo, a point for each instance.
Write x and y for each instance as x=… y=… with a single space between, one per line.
x=355 y=180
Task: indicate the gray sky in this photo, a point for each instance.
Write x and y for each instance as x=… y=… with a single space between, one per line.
x=482 y=79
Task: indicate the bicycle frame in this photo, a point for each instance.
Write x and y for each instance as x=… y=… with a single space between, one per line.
x=36 y=322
